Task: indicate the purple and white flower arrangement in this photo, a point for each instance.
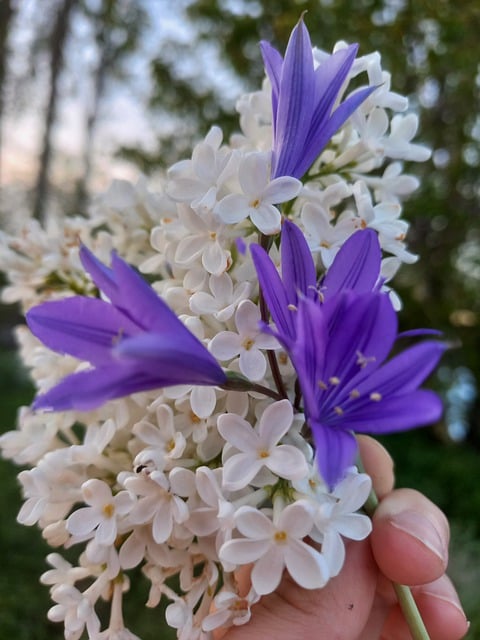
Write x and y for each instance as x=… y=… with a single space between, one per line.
x=206 y=419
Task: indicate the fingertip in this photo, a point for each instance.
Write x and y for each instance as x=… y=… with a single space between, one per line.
x=410 y=538
x=377 y=463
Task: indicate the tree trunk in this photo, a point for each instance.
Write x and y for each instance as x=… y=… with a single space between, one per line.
x=6 y=15
x=57 y=43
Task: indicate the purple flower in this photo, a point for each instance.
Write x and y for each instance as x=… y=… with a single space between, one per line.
x=339 y=355
x=356 y=266
x=134 y=342
x=338 y=335
x=304 y=99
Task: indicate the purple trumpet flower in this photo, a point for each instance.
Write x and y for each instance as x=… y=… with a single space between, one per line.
x=134 y=342
x=305 y=115
x=356 y=266
x=339 y=355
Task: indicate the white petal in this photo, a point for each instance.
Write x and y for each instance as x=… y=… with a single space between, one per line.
x=275 y=422
x=203 y=521
x=268 y=570
x=306 y=566
x=82 y=521
x=203 y=303
x=232 y=208
x=355 y=526
x=203 y=401
x=247 y=318
x=221 y=287
x=333 y=549
x=240 y=469
x=96 y=492
x=237 y=432
x=252 y=523
x=207 y=486
x=241 y=551
x=296 y=520
x=106 y=532
x=253 y=364
x=189 y=248
x=286 y=461
x=253 y=174
x=225 y=345
x=266 y=218
x=162 y=523
x=281 y=190
x=215 y=259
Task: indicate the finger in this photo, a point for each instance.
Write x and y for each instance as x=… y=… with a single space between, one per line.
x=410 y=538
x=378 y=464
x=440 y=609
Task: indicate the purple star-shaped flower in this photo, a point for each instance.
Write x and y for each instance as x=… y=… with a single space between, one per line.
x=338 y=335
x=339 y=355
x=305 y=115
x=134 y=342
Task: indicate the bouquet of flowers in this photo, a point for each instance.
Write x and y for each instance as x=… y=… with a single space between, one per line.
x=204 y=356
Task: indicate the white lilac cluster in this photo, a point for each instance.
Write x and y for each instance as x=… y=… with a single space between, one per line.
x=189 y=481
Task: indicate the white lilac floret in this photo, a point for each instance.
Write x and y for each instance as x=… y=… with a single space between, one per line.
x=205 y=420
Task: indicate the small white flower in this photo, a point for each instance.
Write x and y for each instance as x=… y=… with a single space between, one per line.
x=222 y=300
x=276 y=545
x=101 y=518
x=259 y=196
x=157 y=504
x=247 y=343
x=165 y=444
x=230 y=608
x=336 y=517
x=76 y=611
x=259 y=447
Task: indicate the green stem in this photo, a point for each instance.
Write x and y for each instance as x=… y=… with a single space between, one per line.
x=404 y=594
x=237 y=382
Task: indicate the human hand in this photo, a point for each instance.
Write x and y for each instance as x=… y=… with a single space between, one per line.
x=408 y=545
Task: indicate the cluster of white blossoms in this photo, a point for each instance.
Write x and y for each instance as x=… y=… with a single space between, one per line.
x=197 y=481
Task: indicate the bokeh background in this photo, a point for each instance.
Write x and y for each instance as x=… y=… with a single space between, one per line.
x=92 y=90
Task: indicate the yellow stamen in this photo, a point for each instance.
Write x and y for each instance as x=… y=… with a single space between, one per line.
x=108 y=510
x=280 y=536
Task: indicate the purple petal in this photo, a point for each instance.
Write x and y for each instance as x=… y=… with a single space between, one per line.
x=335 y=451
x=308 y=354
x=406 y=371
x=318 y=138
x=298 y=267
x=295 y=103
x=177 y=360
x=85 y=328
x=329 y=78
x=102 y=275
x=90 y=389
x=356 y=266
x=397 y=413
x=273 y=291
x=362 y=329
x=273 y=62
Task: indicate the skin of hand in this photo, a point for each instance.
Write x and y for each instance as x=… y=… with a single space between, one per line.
x=408 y=545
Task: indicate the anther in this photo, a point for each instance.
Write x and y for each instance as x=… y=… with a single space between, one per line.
x=375 y=396
x=334 y=380
x=338 y=411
